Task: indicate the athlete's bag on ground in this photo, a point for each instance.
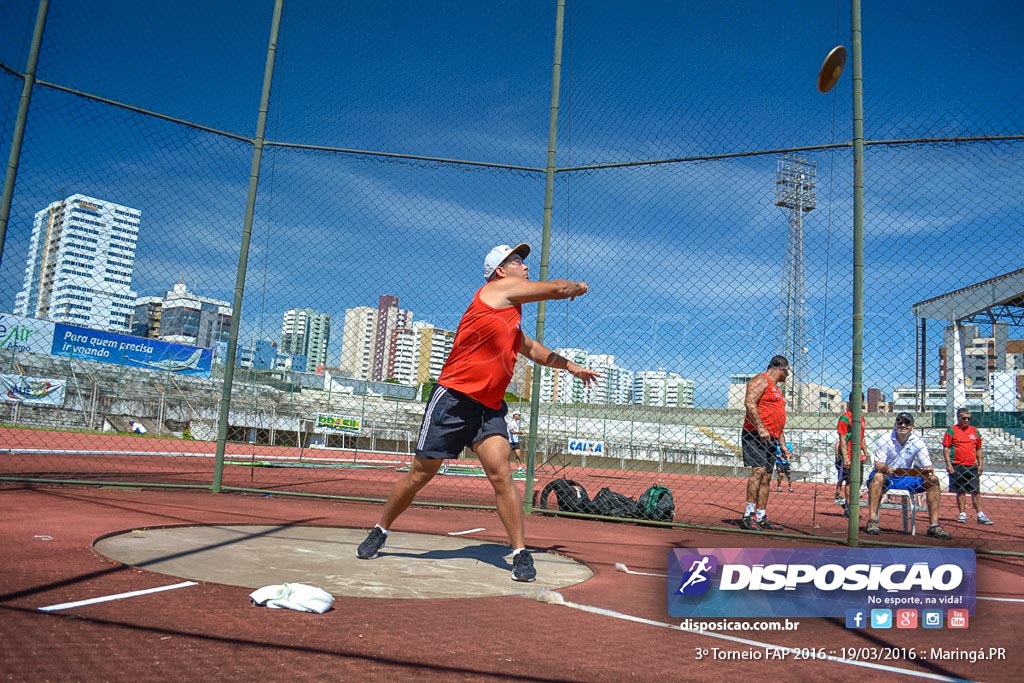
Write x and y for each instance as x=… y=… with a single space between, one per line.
x=656 y=503
x=569 y=495
x=613 y=504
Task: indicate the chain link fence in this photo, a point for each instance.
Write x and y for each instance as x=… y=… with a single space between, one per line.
x=702 y=188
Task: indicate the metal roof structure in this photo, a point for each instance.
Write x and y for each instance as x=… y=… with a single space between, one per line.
x=997 y=300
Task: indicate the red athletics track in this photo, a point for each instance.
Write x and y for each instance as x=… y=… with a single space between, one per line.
x=211 y=631
x=700 y=500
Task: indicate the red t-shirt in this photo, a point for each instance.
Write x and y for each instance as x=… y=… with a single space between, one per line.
x=484 y=352
x=964 y=443
x=843 y=427
x=772 y=409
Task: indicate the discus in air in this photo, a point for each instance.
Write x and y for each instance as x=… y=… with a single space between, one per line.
x=832 y=69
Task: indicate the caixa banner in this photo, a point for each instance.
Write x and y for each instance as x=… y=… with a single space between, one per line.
x=816 y=582
x=586 y=447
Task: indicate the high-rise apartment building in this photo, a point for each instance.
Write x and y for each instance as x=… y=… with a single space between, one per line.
x=660 y=388
x=415 y=351
x=80 y=262
x=306 y=332
x=613 y=384
x=357 y=342
x=389 y=318
x=558 y=386
x=419 y=353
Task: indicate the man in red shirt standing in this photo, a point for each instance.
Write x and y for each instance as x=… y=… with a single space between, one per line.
x=844 y=455
x=466 y=409
x=761 y=439
x=961 y=445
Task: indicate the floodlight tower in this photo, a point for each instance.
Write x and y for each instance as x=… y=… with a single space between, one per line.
x=795 y=183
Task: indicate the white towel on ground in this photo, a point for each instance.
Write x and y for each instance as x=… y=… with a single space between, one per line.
x=297 y=596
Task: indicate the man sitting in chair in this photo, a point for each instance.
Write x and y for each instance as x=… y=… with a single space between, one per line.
x=902 y=462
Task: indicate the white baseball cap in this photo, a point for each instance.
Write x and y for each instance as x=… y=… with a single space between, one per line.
x=495 y=257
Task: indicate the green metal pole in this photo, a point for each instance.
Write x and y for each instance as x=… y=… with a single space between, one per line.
x=858 y=273
x=243 y=254
x=19 y=122
x=545 y=244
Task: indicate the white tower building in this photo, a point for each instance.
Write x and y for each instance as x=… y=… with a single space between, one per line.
x=80 y=263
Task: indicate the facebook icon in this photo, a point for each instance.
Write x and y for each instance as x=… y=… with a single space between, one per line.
x=855 y=618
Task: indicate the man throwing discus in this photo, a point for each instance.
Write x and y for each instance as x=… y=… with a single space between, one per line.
x=466 y=409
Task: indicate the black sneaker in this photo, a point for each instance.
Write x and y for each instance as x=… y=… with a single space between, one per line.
x=872 y=527
x=522 y=567
x=937 y=531
x=769 y=525
x=747 y=522
x=375 y=540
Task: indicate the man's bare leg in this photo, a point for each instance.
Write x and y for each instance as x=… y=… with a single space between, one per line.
x=754 y=483
x=493 y=453
x=406 y=488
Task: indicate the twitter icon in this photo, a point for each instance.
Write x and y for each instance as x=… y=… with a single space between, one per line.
x=881 y=618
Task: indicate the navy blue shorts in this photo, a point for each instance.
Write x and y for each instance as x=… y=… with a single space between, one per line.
x=844 y=474
x=757 y=453
x=964 y=479
x=454 y=421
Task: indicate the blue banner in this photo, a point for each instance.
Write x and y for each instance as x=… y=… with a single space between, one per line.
x=83 y=343
x=817 y=582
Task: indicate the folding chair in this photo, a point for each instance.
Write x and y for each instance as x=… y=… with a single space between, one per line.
x=899 y=499
x=908 y=503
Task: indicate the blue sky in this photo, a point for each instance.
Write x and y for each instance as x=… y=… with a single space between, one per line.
x=685 y=260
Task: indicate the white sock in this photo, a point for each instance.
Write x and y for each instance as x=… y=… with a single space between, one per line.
x=760 y=515
x=750 y=508
x=517 y=551
x=386 y=531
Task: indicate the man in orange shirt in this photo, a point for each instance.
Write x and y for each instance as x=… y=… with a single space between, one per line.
x=761 y=439
x=466 y=409
x=961 y=444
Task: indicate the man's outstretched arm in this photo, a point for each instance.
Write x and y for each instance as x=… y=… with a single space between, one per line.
x=541 y=354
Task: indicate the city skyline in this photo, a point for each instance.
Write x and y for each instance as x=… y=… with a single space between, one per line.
x=304 y=330
x=387 y=343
